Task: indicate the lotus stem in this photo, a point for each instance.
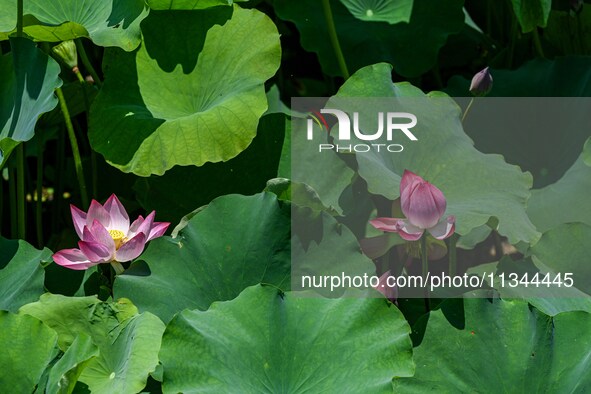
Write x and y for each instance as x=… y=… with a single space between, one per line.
x=13 y=203
x=87 y=63
x=425 y=266
x=334 y=39
x=537 y=43
x=39 y=191
x=467 y=109
x=19 y=18
x=117 y=267
x=20 y=191
x=452 y=254
x=75 y=149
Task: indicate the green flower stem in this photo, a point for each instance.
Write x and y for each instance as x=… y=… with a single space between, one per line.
x=20 y=191
x=58 y=196
x=94 y=172
x=117 y=267
x=467 y=109
x=39 y=205
x=13 y=204
x=19 y=18
x=79 y=75
x=452 y=254
x=425 y=266
x=537 y=43
x=20 y=153
x=93 y=167
x=514 y=38
x=75 y=150
x=87 y=63
x=334 y=39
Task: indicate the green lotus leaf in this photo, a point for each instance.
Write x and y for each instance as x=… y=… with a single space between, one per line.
x=21 y=273
x=565 y=201
x=65 y=373
x=172 y=196
x=326 y=173
x=549 y=297
x=505 y=345
x=193 y=98
x=324 y=247
x=106 y=23
x=566 y=249
x=477 y=186
x=188 y=4
x=128 y=342
x=411 y=47
x=28 y=346
x=587 y=152
x=391 y=12
x=532 y=14
x=7 y=145
x=29 y=78
x=233 y=243
x=283 y=343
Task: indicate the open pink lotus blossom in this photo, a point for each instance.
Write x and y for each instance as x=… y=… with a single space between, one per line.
x=424 y=205
x=107 y=237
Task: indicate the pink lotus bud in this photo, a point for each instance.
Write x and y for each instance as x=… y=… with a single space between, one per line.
x=482 y=83
x=421 y=202
x=423 y=205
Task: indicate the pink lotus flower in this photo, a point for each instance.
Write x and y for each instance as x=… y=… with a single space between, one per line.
x=107 y=237
x=482 y=83
x=424 y=205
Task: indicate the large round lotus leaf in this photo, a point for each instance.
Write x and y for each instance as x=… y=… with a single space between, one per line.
x=8 y=15
x=477 y=186
x=380 y=10
x=412 y=48
x=172 y=196
x=28 y=346
x=505 y=347
x=324 y=247
x=105 y=22
x=233 y=243
x=327 y=174
x=565 y=201
x=188 y=4
x=566 y=249
x=65 y=372
x=128 y=342
x=28 y=79
x=21 y=281
x=192 y=96
x=266 y=341
x=549 y=298
x=6 y=147
x=532 y=13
